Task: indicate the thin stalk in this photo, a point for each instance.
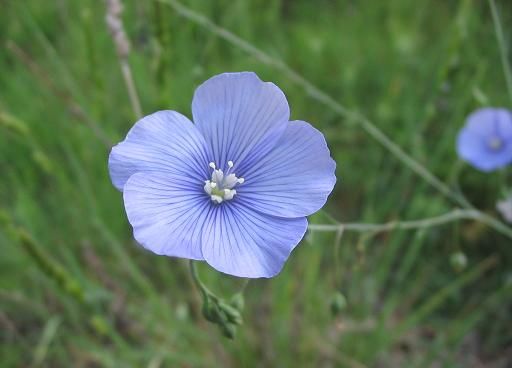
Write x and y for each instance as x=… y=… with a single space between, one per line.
x=443 y=219
x=130 y=87
x=502 y=46
x=118 y=34
x=197 y=281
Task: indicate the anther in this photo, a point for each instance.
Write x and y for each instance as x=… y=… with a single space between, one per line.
x=212 y=165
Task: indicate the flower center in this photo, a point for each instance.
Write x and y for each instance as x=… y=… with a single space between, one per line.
x=495 y=143
x=221 y=186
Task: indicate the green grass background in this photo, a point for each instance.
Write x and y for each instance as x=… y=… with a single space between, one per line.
x=76 y=290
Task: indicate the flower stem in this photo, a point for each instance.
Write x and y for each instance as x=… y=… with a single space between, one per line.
x=197 y=281
x=225 y=314
x=502 y=46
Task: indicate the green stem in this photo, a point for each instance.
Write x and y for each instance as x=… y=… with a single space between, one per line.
x=454 y=215
x=197 y=281
x=502 y=46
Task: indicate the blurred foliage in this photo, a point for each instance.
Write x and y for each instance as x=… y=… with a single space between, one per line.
x=415 y=68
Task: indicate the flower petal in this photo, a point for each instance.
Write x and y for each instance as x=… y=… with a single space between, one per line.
x=236 y=111
x=472 y=148
x=242 y=242
x=483 y=126
x=163 y=141
x=490 y=121
x=294 y=179
x=167 y=213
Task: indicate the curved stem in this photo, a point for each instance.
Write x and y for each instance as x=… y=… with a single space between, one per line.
x=202 y=287
x=195 y=276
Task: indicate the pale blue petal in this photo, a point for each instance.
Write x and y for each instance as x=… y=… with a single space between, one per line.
x=503 y=126
x=470 y=145
x=294 y=179
x=473 y=141
x=165 y=141
x=237 y=111
x=489 y=121
x=167 y=213
x=242 y=242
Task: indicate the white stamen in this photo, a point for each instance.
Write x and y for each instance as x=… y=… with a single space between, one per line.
x=221 y=186
x=229 y=194
x=216 y=198
x=208 y=187
x=230 y=181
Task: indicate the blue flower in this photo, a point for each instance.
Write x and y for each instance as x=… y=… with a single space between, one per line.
x=486 y=139
x=233 y=189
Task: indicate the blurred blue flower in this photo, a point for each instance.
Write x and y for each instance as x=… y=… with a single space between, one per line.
x=233 y=189
x=486 y=139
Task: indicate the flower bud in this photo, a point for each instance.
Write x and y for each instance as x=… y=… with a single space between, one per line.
x=232 y=314
x=228 y=330
x=211 y=310
x=237 y=301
